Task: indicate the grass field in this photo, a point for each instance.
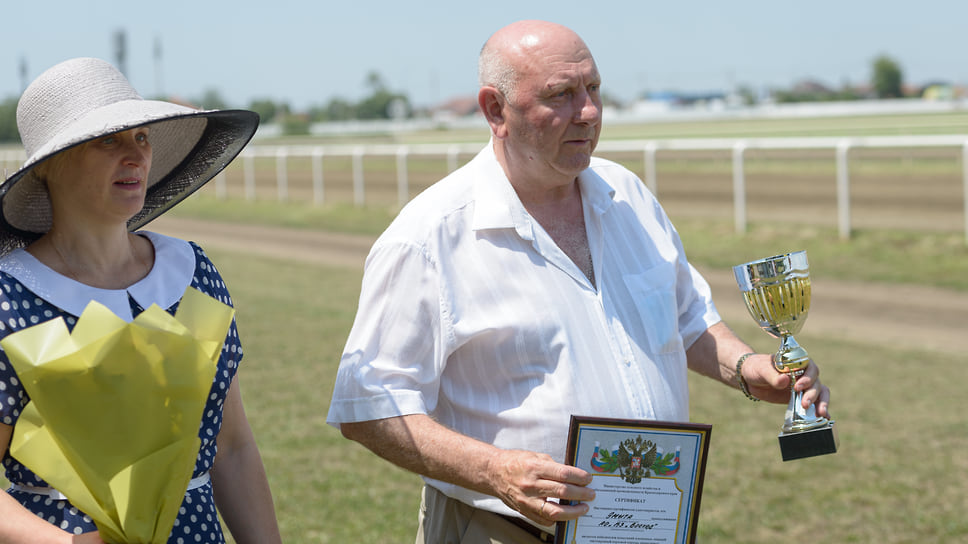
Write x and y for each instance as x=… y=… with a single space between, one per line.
x=899 y=476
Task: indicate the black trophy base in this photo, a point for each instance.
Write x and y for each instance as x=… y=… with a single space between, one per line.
x=819 y=441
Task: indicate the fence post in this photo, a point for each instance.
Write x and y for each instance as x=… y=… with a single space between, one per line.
x=249 y=167
x=15 y=158
x=220 y=185
x=403 y=189
x=964 y=175
x=739 y=187
x=318 y=188
x=650 y=173
x=282 y=178
x=843 y=190
x=358 y=197
x=452 y=158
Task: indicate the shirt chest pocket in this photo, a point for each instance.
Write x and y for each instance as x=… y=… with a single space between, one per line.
x=653 y=293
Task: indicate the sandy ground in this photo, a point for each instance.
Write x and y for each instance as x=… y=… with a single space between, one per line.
x=897 y=316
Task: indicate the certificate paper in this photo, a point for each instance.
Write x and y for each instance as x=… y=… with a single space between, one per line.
x=647 y=477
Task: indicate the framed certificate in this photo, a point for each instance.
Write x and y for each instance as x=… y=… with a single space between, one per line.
x=647 y=477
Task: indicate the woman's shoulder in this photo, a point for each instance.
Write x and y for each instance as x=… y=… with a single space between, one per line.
x=20 y=272
x=10 y=286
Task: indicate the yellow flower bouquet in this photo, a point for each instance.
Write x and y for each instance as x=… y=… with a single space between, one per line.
x=115 y=408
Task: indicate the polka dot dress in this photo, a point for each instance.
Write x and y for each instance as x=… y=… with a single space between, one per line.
x=197 y=520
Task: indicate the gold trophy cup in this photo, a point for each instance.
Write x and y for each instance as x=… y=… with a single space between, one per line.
x=777 y=295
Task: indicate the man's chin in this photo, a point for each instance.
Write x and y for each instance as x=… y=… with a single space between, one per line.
x=576 y=163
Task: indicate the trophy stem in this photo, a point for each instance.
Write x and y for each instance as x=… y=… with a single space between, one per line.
x=791 y=357
x=797 y=418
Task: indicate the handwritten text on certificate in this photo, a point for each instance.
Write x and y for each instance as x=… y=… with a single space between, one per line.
x=641 y=513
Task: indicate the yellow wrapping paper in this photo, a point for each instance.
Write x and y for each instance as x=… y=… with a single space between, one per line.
x=115 y=408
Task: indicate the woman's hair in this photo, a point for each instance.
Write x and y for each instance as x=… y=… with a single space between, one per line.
x=43 y=170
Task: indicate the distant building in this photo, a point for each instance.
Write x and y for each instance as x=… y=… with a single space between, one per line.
x=811 y=87
x=455 y=108
x=665 y=101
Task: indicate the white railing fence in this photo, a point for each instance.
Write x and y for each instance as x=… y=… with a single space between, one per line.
x=841 y=146
x=357 y=154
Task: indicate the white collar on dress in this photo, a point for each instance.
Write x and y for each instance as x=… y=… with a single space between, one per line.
x=164 y=285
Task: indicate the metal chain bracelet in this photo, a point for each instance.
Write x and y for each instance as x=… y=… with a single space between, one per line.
x=739 y=377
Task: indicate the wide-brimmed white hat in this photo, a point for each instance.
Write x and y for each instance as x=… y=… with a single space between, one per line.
x=86 y=98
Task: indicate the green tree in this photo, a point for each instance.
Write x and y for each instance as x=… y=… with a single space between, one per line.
x=212 y=100
x=338 y=109
x=746 y=95
x=8 y=121
x=382 y=103
x=375 y=82
x=887 y=79
x=266 y=108
x=295 y=125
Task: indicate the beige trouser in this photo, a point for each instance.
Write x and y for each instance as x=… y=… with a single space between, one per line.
x=444 y=520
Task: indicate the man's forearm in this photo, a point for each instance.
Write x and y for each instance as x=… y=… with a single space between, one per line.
x=419 y=444
x=715 y=352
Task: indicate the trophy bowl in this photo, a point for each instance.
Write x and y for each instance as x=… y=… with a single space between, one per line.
x=776 y=291
x=777 y=295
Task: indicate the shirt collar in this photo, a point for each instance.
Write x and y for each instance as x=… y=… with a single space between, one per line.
x=498 y=206
x=164 y=285
x=595 y=191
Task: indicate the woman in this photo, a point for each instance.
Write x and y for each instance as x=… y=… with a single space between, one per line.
x=101 y=163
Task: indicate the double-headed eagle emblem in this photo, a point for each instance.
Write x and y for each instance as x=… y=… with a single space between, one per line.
x=635 y=459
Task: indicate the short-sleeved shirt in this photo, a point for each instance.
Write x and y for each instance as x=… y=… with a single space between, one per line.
x=31 y=293
x=471 y=313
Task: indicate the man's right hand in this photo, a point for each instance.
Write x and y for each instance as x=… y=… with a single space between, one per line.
x=533 y=483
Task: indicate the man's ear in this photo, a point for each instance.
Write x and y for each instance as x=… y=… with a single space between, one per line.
x=492 y=104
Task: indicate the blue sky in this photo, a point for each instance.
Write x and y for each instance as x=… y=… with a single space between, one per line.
x=307 y=52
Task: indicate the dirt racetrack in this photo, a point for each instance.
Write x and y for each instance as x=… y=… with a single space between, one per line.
x=907 y=317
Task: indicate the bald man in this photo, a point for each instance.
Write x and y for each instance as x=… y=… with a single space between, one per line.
x=533 y=283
